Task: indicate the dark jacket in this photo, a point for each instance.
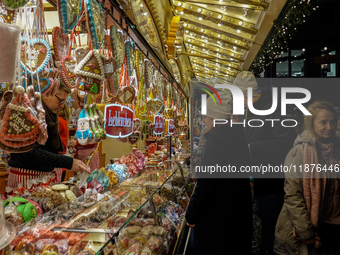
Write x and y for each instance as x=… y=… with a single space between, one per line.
x=42 y=158
x=268 y=145
x=221 y=208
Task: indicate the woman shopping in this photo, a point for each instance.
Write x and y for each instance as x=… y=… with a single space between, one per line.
x=309 y=222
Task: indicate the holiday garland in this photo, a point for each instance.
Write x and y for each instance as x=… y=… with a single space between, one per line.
x=284 y=28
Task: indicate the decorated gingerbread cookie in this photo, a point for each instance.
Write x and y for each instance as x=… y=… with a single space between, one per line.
x=91 y=72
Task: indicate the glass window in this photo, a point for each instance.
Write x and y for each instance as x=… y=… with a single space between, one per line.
x=296 y=53
x=297 y=68
x=282 y=69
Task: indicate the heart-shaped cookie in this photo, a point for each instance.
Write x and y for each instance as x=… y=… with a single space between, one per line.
x=96 y=22
x=154 y=106
x=134 y=137
x=7 y=15
x=123 y=140
x=45 y=84
x=137 y=124
x=80 y=53
x=69 y=11
x=60 y=43
x=169 y=112
x=35 y=55
x=19 y=125
x=68 y=64
x=126 y=95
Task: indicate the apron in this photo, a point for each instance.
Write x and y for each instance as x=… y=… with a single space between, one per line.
x=21 y=175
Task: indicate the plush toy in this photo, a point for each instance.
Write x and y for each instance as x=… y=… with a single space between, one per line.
x=27 y=210
x=83 y=134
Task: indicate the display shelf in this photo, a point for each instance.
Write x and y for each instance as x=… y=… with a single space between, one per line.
x=145 y=195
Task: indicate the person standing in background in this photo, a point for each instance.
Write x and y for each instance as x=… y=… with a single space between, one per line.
x=220 y=212
x=267 y=146
x=309 y=222
x=63 y=117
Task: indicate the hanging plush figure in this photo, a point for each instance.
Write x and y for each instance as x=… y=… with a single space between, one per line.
x=83 y=134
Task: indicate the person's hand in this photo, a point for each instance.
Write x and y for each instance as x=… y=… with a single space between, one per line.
x=72 y=143
x=79 y=166
x=191 y=226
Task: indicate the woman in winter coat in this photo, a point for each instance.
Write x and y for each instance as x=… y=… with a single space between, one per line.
x=220 y=212
x=309 y=222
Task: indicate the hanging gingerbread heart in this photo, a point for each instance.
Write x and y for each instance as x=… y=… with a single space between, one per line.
x=80 y=53
x=134 y=137
x=117 y=41
x=7 y=15
x=68 y=65
x=35 y=55
x=137 y=124
x=60 y=43
x=69 y=11
x=19 y=127
x=91 y=72
x=96 y=22
x=154 y=106
x=126 y=95
x=45 y=83
x=122 y=140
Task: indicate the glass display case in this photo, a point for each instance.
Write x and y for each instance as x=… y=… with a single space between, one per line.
x=142 y=215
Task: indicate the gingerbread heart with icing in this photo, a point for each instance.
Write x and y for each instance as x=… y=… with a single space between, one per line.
x=19 y=124
x=69 y=11
x=60 y=43
x=123 y=140
x=45 y=83
x=137 y=124
x=68 y=64
x=154 y=106
x=134 y=137
x=7 y=15
x=169 y=112
x=126 y=95
x=35 y=55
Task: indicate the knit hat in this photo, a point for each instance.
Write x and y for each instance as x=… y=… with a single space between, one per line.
x=245 y=80
x=218 y=111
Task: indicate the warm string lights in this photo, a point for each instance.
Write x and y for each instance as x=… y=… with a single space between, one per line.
x=284 y=30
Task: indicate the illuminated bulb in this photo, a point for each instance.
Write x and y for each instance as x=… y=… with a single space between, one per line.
x=203 y=49
x=238 y=31
x=232 y=54
x=186 y=31
x=185 y=24
x=240 y=23
x=200 y=18
x=235 y=48
x=192 y=52
x=203 y=44
x=229 y=64
x=219 y=36
x=325 y=48
x=179 y=4
x=141 y=5
x=303 y=50
x=181 y=13
x=219 y=24
x=189 y=40
x=199 y=10
x=236 y=41
x=218 y=49
x=145 y=13
x=219 y=16
x=202 y=36
x=202 y=30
